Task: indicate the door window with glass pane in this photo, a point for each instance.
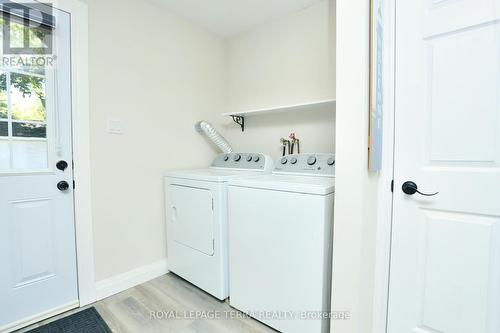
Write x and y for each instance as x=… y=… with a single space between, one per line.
x=23 y=110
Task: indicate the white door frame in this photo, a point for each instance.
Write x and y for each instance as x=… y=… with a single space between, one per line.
x=81 y=147
x=385 y=197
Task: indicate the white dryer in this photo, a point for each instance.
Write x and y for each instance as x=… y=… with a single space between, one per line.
x=280 y=244
x=196 y=218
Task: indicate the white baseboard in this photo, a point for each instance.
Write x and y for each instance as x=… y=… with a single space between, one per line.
x=127 y=280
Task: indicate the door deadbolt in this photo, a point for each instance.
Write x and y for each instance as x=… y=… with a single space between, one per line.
x=62 y=165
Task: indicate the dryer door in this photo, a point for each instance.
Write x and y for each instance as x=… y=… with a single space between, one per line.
x=192 y=217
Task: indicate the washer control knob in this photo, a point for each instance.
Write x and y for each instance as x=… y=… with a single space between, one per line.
x=293 y=160
x=331 y=161
x=256 y=158
x=226 y=158
x=237 y=157
x=311 y=160
x=284 y=160
x=249 y=158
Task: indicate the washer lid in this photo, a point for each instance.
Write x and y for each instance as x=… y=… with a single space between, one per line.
x=286 y=183
x=212 y=174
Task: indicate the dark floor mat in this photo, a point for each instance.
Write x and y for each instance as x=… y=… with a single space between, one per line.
x=86 y=321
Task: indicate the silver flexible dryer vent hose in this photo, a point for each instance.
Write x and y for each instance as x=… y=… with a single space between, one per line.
x=204 y=127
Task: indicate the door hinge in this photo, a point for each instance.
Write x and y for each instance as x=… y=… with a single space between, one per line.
x=392 y=186
x=74 y=184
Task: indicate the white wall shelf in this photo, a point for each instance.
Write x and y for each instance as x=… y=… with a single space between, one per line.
x=239 y=117
x=286 y=108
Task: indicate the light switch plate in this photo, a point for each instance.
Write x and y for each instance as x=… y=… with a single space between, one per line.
x=114 y=125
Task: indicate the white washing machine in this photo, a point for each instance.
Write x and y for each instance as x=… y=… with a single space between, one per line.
x=196 y=217
x=280 y=244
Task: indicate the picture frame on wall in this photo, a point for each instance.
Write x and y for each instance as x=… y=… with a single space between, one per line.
x=376 y=86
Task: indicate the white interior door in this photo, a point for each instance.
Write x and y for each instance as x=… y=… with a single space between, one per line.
x=445 y=265
x=37 y=235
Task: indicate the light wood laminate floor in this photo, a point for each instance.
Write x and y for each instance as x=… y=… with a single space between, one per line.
x=130 y=311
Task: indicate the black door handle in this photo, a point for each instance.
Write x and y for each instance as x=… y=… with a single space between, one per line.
x=411 y=188
x=62 y=165
x=63 y=186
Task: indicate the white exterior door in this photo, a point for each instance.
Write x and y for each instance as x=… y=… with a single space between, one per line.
x=445 y=265
x=37 y=236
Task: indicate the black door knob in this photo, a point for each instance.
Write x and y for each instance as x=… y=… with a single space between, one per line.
x=411 y=188
x=62 y=165
x=63 y=186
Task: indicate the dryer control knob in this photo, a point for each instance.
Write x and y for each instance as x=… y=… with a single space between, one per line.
x=311 y=160
x=284 y=160
x=293 y=160
x=331 y=161
x=237 y=157
x=256 y=158
x=226 y=158
x=249 y=158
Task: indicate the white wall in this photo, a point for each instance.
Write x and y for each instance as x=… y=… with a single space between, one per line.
x=356 y=188
x=158 y=74
x=287 y=61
